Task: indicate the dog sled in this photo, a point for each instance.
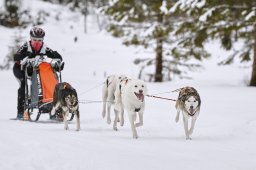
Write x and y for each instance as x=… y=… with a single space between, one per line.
x=40 y=81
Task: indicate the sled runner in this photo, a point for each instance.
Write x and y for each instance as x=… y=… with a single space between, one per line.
x=40 y=81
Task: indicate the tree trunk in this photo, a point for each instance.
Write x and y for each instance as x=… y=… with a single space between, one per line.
x=85 y=12
x=253 y=78
x=159 y=54
x=159 y=61
x=85 y=23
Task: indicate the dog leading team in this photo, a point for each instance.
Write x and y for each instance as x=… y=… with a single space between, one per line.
x=188 y=103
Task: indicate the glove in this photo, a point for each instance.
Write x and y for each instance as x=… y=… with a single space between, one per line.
x=62 y=66
x=59 y=66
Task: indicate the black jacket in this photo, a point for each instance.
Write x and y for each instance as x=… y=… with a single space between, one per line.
x=27 y=50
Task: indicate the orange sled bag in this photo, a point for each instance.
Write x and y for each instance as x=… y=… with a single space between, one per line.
x=48 y=81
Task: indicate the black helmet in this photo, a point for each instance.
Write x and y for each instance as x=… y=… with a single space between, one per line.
x=37 y=32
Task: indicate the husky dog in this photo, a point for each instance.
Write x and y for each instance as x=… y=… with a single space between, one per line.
x=65 y=98
x=188 y=103
x=108 y=94
x=130 y=96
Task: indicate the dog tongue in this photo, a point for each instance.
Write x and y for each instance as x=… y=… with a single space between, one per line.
x=140 y=96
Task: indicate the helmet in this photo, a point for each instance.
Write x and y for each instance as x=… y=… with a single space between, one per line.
x=37 y=32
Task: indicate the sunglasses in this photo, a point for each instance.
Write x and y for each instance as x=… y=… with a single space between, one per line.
x=37 y=39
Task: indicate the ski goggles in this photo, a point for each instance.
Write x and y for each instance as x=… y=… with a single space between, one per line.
x=36 y=39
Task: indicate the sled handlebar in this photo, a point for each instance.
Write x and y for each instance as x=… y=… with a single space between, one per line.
x=36 y=61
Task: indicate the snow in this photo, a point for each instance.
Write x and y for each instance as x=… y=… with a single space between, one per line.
x=207 y=14
x=224 y=132
x=250 y=15
x=175 y=7
x=163 y=7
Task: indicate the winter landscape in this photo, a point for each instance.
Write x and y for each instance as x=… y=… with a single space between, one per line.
x=224 y=133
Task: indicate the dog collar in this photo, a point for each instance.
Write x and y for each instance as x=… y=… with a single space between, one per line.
x=73 y=108
x=137 y=109
x=193 y=113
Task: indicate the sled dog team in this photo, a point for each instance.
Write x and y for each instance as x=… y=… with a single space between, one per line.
x=126 y=94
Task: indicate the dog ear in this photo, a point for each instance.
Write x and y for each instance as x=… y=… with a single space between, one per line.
x=65 y=86
x=198 y=98
x=183 y=98
x=126 y=81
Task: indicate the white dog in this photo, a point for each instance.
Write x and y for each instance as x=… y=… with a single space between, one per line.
x=130 y=96
x=188 y=103
x=108 y=94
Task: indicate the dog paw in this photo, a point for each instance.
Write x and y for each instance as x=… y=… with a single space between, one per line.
x=122 y=123
x=135 y=136
x=109 y=121
x=188 y=138
x=115 y=128
x=66 y=128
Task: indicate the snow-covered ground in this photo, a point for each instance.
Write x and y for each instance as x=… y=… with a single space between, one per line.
x=224 y=133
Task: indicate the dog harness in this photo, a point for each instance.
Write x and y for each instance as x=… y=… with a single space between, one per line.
x=193 y=113
x=137 y=109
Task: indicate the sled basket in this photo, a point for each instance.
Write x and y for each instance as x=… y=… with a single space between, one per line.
x=48 y=81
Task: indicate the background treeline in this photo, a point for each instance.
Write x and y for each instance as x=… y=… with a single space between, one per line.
x=173 y=32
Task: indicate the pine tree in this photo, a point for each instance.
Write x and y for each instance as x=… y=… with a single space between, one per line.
x=12 y=15
x=8 y=60
x=148 y=23
x=228 y=21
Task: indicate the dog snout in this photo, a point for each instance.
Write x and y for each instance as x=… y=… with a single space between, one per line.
x=140 y=91
x=73 y=102
x=191 y=107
